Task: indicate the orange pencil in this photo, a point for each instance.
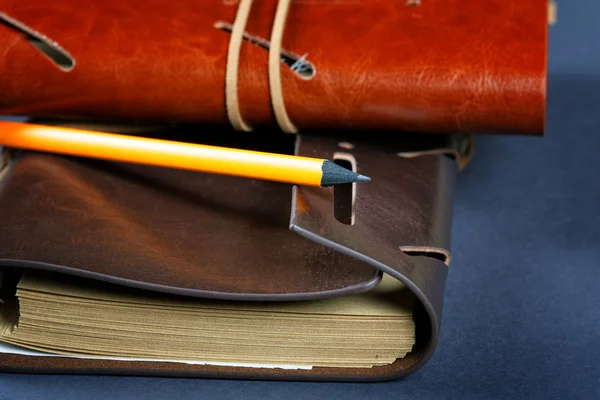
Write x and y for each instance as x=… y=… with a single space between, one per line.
x=163 y=153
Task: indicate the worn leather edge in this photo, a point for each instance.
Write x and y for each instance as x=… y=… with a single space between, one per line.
x=348 y=290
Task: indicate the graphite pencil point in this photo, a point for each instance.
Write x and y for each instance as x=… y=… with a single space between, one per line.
x=334 y=174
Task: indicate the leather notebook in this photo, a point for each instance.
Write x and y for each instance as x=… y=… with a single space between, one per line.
x=217 y=237
x=375 y=92
x=467 y=66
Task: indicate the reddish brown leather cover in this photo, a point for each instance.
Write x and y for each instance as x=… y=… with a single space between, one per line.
x=222 y=237
x=431 y=65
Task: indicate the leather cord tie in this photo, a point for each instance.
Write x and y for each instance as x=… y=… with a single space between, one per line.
x=274 y=67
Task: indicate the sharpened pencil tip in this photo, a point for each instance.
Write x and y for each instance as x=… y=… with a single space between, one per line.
x=362 y=178
x=334 y=174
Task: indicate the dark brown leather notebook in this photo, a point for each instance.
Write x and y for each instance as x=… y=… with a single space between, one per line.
x=196 y=238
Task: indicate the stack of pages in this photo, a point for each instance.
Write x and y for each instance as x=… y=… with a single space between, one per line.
x=79 y=317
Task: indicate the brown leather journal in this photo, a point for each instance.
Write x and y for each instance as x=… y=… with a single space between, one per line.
x=219 y=237
x=428 y=66
x=454 y=66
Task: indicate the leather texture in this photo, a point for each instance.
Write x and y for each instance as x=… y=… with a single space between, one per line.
x=221 y=237
x=465 y=66
x=174 y=231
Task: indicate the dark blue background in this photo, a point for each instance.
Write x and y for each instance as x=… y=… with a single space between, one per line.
x=522 y=311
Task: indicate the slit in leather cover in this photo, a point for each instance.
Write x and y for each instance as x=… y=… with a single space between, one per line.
x=344 y=196
x=49 y=48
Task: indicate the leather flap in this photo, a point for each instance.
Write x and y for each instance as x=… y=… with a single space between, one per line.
x=167 y=230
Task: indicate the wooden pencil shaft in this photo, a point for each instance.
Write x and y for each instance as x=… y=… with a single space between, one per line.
x=162 y=153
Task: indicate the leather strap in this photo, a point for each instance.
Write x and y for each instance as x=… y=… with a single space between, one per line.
x=274 y=70
x=231 y=71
